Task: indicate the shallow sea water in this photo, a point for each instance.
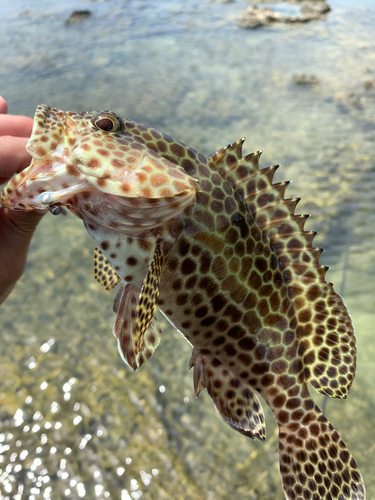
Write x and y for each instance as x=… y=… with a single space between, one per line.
x=77 y=423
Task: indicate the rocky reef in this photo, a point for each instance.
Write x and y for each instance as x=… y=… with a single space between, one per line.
x=254 y=16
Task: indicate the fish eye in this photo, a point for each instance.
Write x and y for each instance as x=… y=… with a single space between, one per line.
x=107 y=123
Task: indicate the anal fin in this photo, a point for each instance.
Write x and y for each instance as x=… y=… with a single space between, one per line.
x=103 y=271
x=234 y=400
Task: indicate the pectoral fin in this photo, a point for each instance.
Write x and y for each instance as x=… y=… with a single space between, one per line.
x=125 y=328
x=235 y=401
x=135 y=327
x=104 y=272
x=146 y=305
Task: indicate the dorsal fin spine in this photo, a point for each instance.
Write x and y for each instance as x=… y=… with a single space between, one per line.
x=275 y=237
x=254 y=159
x=268 y=188
x=299 y=219
x=269 y=172
x=290 y=204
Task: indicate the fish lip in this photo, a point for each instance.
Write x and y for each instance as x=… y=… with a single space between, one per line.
x=13 y=194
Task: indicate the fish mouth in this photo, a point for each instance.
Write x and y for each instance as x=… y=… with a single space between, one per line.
x=46 y=181
x=12 y=194
x=35 y=187
x=48 y=160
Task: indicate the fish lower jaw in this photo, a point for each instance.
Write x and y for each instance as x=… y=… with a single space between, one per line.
x=15 y=201
x=129 y=227
x=22 y=205
x=135 y=217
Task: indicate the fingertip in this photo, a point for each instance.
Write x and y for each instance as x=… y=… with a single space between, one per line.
x=3 y=106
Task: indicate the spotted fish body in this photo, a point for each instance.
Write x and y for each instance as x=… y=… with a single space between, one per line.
x=213 y=243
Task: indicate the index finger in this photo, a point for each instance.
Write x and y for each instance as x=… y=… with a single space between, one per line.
x=19 y=126
x=3 y=105
x=13 y=156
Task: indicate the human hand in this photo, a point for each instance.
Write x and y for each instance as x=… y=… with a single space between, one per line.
x=16 y=228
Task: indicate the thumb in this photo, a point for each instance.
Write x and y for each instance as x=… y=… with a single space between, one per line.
x=20 y=226
x=16 y=231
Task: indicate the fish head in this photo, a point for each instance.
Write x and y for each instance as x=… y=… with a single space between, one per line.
x=99 y=169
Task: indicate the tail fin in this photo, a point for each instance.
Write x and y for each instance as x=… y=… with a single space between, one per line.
x=315 y=464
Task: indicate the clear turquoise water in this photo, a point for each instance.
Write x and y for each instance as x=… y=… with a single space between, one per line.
x=75 y=422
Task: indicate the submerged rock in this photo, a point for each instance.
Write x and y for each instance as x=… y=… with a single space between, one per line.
x=306 y=80
x=315 y=11
x=254 y=16
x=369 y=84
x=77 y=16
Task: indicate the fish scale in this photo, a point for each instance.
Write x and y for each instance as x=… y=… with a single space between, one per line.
x=216 y=246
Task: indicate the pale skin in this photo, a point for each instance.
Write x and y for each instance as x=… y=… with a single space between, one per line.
x=16 y=228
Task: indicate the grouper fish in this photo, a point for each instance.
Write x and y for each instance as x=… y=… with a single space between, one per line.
x=214 y=244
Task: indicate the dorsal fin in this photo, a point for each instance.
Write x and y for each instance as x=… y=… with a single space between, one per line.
x=327 y=342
